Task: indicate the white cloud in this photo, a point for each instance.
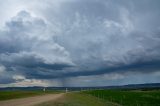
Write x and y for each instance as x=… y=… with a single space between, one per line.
x=27 y=83
x=28 y=35
x=18 y=77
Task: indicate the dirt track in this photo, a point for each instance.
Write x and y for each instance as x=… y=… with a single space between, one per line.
x=31 y=100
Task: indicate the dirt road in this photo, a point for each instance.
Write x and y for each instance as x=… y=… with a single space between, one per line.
x=31 y=100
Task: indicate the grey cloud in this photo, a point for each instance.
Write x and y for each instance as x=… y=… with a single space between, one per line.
x=29 y=60
x=24 y=45
x=5 y=77
x=83 y=38
x=139 y=67
x=120 y=36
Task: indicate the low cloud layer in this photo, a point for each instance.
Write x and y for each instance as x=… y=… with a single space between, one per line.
x=55 y=42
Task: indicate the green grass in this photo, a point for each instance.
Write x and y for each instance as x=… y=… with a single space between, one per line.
x=77 y=99
x=6 y=95
x=93 y=98
x=129 y=98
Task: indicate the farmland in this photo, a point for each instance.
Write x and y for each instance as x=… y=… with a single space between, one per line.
x=129 y=97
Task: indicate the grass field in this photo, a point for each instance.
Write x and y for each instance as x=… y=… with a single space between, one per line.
x=94 y=97
x=129 y=98
x=78 y=99
x=6 y=95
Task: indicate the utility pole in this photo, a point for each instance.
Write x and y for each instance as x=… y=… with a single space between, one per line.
x=44 y=89
x=66 y=90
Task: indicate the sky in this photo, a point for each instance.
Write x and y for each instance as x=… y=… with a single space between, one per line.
x=79 y=42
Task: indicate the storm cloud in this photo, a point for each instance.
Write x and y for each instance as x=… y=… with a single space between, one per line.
x=62 y=40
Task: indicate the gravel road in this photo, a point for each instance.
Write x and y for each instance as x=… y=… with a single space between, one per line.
x=30 y=101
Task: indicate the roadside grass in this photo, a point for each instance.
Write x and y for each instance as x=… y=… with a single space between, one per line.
x=128 y=98
x=78 y=99
x=6 y=95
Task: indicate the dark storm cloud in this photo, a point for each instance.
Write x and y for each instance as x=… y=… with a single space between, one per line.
x=110 y=38
x=72 y=38
x=140 y=67
x=29 y=61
